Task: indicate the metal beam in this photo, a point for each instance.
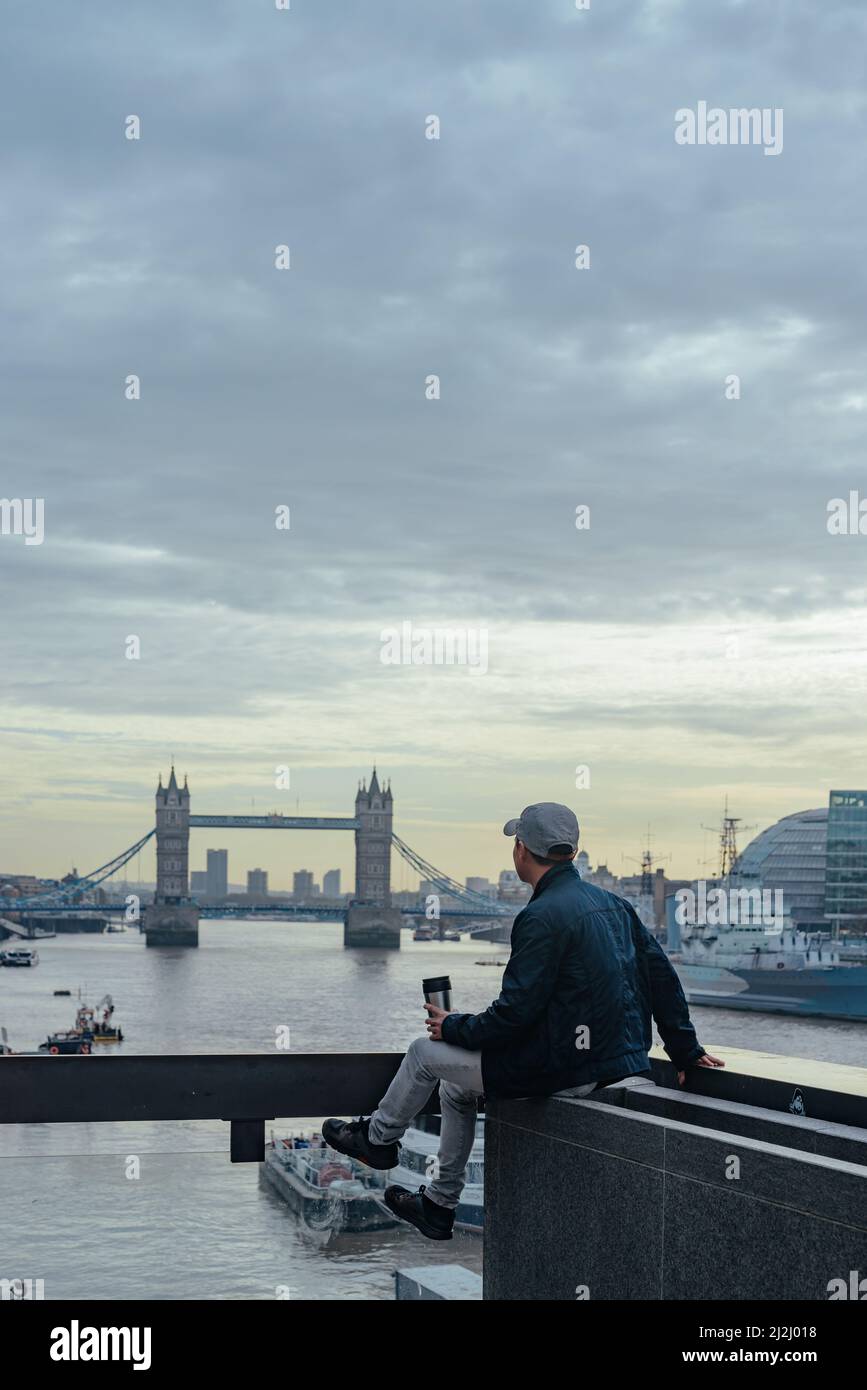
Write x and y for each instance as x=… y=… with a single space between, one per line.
x=274 y=822
x=277 y=910
x=247 y=1141
x=258 y=1086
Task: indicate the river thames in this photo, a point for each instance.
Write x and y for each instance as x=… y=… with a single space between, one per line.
x=193 y=1225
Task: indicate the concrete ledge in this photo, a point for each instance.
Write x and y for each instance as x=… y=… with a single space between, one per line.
x=793 y=1085
x=594 y=1199
x=751 y=1121
x=434 y=1282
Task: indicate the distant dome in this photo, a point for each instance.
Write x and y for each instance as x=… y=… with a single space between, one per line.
x=791 y=855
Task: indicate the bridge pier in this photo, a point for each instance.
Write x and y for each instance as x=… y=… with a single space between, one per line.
x=369 y=924
x=171 y=924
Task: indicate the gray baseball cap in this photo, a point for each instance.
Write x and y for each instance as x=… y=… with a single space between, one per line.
x=545 y=826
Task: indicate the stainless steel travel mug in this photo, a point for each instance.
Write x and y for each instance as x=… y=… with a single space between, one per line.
x=438 y=991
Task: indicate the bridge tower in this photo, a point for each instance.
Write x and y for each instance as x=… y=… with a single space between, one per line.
x=373 y=811
x=371 y=920
x=173 y=920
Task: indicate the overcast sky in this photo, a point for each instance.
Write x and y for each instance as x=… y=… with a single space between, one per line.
x=704 y=637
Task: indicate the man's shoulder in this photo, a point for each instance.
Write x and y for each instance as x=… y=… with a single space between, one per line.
x=589 y=895
x=612 y=902
x=570 y=899
x=582 y=899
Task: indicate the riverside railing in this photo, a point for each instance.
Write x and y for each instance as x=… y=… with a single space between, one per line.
x=245 y=1090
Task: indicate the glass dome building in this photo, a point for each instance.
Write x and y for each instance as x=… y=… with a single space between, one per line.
x=790 y=855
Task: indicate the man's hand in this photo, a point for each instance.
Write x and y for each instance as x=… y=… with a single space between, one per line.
x=704 y=1061
x=435 y=1018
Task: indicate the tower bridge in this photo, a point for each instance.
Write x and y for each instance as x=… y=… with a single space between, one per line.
x=370 y=919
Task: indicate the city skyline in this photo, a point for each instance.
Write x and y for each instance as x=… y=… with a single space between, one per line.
x=324 y=852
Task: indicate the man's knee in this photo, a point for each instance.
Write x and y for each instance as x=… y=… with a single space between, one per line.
x=419 y=1050
x=453 y=1094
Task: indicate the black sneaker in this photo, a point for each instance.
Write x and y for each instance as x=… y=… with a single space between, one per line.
x=354 y=1141
x=429 y=1217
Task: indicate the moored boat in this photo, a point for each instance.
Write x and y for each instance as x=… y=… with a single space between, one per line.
x=19 y=956
x=88 y=1029
x=100 y=1024
x=329 y=1191
x=65 y=1044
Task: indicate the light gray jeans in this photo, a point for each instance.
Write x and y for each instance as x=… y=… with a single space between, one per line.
x=459 y=1073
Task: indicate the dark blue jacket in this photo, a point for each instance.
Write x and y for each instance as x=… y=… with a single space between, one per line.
x=581 y=960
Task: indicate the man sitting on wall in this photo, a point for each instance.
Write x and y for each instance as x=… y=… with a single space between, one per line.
x=584 y=979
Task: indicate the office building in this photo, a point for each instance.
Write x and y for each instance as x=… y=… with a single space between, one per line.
x=482 y=886
x=511 y=889
x=257 y=883
x=790 y=856
x=846 y=860
x=217 y=873
x=302 y=885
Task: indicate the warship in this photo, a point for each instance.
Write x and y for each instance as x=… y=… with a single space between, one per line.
x=765 y=964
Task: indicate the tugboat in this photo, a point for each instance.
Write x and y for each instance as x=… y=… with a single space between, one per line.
x=66 y=1043
x=103 y=1030
x=87 y=1031
x=329 y=1191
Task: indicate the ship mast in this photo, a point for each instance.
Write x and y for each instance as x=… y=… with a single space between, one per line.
x=728 y=841
x=648 y=863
